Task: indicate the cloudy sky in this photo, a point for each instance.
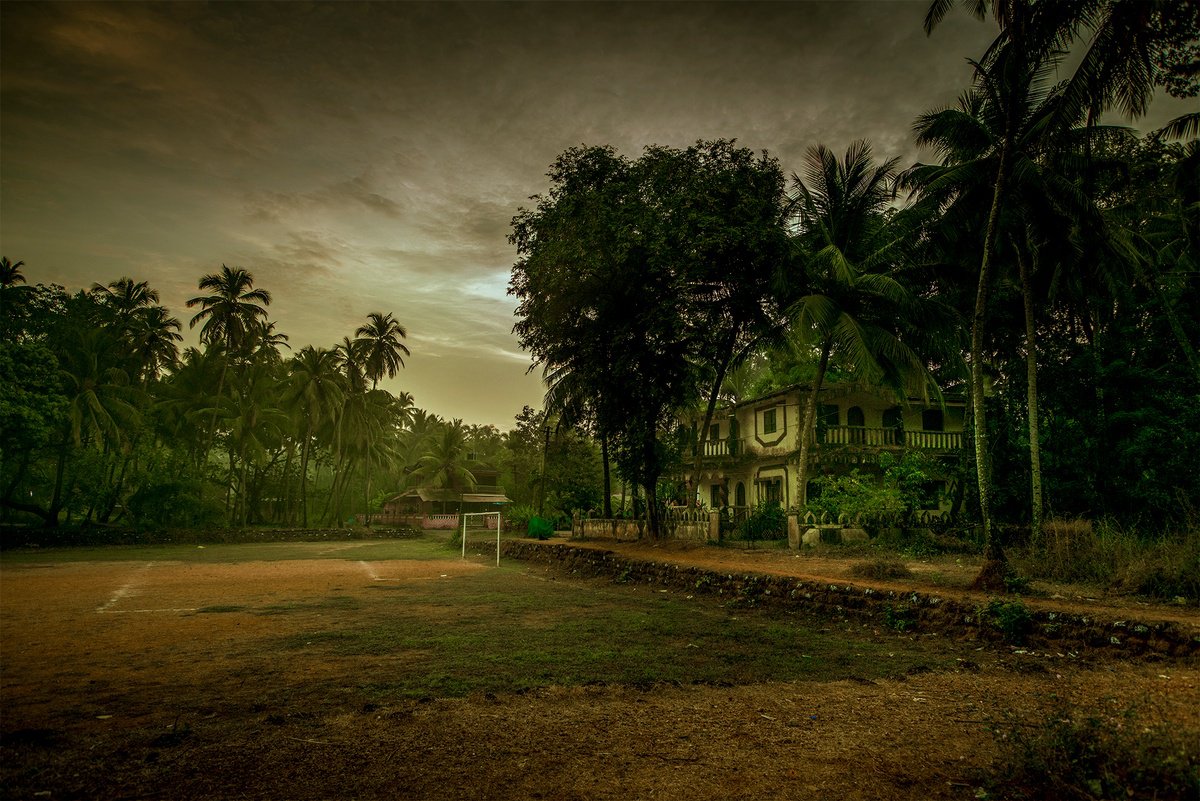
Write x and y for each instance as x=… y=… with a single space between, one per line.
x=370 y=157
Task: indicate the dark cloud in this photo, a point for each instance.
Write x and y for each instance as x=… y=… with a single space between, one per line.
x=369 y=156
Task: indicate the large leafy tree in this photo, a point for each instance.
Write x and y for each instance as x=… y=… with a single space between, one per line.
x=643 y=280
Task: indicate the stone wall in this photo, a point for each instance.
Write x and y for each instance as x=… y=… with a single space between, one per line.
x=915 y=611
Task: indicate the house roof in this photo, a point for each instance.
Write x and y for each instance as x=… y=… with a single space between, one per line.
x=481 y=494
x=832 y=389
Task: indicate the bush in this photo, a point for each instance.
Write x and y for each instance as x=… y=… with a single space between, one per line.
x=517 y=517
x=1093 y=759
x=1010 y=618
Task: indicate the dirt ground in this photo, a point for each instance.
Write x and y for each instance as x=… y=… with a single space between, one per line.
x=117 y=681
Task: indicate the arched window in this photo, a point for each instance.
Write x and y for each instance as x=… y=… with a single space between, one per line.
x=740 y=494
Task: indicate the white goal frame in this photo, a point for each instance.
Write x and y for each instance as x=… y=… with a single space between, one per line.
x=499 y=526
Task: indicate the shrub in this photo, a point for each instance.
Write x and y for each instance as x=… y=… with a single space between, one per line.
x=517 y=517
x=1093 y=759
x=1010 y=618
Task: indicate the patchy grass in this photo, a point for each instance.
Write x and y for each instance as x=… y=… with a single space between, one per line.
x=502 y=631
x=430 y=547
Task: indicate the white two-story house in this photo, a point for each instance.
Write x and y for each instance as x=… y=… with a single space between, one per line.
x=752 y=451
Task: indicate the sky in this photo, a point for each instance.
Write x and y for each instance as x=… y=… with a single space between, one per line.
x=370 y=157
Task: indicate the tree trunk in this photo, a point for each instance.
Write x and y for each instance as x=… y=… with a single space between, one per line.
x=996 y=562
x=708 y=415
x=608 y=513
x=808 y=431
x=1035 y=455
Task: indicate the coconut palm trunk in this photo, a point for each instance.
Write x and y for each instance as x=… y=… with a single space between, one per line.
x=991 y=576
x=808 y=432
x=1031 y=391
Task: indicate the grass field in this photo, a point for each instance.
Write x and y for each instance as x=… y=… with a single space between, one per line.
x=183 y=671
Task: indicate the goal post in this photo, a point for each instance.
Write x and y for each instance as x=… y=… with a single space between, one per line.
x=483 y=516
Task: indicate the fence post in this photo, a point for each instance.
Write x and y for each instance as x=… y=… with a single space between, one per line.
x=714 y=526
x=793 y=529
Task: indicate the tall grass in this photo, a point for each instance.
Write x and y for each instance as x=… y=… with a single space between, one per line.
x=1105 y=554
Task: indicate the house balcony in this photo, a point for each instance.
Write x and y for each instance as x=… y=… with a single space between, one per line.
x=861 y=436
x=840 y=438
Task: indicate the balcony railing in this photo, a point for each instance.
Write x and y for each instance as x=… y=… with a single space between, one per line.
x=891 y=438
x=851 y=436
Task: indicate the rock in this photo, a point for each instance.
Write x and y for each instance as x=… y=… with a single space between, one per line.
x=812 y=537
x=854 y=535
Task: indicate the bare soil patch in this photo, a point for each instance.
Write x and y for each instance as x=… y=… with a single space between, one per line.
x=146 y=680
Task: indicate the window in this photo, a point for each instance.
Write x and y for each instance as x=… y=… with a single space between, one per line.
x=740 y=494
x=715 y=497
x=769 y=421
x=830 y=414
x=772 y=491
x=933 y=420
x=714 y=432
x=893 y=425
x=856 y=420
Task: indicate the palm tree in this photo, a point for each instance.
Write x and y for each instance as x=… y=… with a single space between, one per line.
x=232 y=313
x=850 y=251
x=154 y=336
x=317 y=390
x=1114 y=70
x=124 y=298
x=445 y=464
x=232 y=309
x=255 y=425
x=381 y=345
x=10 y=276
x=101 y=405
x=568 y=398
x=10 y=273
x=1044 y=202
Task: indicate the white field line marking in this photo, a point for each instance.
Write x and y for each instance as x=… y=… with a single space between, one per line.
x=373 y=575
x=134 y=611
x=126 y=589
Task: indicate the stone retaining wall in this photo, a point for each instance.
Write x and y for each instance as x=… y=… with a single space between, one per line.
x=910 y=611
